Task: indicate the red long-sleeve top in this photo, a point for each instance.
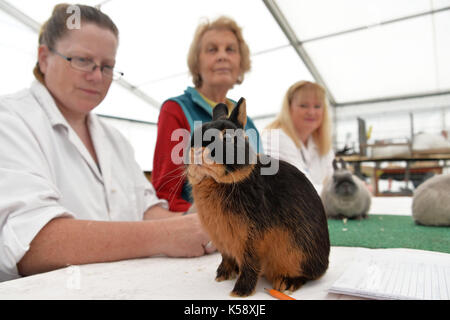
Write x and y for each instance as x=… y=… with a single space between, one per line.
x=167 y=177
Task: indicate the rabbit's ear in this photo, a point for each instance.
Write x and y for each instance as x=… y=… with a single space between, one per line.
x=335 y=167
x=239 y=114
x=220 y=112
x=343 y=164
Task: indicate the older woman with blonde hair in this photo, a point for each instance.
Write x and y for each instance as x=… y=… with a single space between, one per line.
x=218 y=59
x=301 y=133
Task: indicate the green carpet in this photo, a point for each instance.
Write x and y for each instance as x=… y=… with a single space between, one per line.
x=388 y=231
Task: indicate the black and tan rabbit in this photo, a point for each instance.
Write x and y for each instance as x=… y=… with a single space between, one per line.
x=270 y=224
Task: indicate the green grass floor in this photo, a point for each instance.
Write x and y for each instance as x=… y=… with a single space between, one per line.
x=388 y=231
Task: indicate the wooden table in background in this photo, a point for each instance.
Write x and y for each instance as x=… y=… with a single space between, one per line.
x=357 y=160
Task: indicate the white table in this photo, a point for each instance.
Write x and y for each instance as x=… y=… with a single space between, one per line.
x=170 y=278
x=401 y=206
x=162 y=278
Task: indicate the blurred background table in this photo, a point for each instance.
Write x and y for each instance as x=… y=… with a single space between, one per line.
x=416 y=168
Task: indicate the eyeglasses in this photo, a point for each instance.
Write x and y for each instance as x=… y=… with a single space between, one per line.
x=87 y=65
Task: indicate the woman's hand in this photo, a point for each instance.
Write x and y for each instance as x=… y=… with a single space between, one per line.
x=186 y=237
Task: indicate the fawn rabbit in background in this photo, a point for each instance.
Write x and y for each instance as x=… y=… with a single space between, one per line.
x=431 y=202
x=344 y=195
x=272 y=225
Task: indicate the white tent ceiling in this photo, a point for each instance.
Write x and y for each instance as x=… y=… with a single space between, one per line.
x=154 y=40
x=361 y=50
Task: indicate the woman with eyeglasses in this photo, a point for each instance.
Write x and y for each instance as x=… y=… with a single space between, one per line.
x=70 y=190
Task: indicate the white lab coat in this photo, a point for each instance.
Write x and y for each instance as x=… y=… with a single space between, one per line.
x=46 y=172
x=307 y=159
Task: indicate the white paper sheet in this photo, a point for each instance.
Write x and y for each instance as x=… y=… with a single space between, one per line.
x=381 y=274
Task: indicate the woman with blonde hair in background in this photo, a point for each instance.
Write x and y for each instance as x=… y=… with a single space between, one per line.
x=301 y=133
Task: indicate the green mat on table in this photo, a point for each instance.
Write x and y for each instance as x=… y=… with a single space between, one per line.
x=388 y=231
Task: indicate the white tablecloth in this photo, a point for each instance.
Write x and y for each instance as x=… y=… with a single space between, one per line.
x=162 y=278
x=170 y=278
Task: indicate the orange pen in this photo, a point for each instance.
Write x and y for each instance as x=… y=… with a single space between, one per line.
x=279 y=295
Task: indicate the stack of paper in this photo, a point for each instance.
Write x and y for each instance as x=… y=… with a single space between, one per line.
x=396 y=274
